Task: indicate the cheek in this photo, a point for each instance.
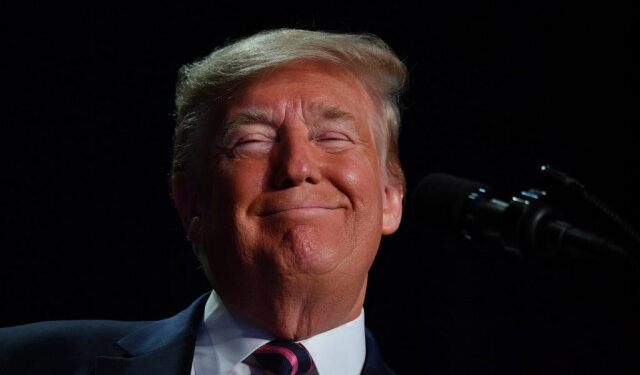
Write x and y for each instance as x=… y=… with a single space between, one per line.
x=238 y=182
x=360 y=180
x=362 y=184
x=233 y=187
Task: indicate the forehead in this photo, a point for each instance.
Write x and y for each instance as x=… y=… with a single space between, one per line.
x=309 y=86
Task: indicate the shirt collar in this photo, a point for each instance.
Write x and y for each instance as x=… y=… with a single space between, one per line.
x=341 y=350
x=232 y=336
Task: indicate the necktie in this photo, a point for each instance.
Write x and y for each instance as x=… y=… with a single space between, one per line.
x=282 y=358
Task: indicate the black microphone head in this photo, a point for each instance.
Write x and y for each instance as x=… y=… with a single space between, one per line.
x=440 y=199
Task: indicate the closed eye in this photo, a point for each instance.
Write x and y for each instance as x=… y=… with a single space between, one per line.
x=251 y=141
x=333 y=136
x=253 y=138
x=334 y=140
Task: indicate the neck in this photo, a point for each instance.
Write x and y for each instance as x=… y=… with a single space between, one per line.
x=295 y=314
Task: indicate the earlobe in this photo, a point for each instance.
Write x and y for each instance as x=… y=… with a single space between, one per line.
x=392 y=209
x=186 y=200
x=194 y=232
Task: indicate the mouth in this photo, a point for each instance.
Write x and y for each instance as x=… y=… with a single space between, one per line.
x=299 y=210
x=299 y=204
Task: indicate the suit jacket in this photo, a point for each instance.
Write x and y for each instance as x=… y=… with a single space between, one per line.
x=113 y=347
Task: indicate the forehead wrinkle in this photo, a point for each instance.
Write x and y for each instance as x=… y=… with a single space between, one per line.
x=311 y=113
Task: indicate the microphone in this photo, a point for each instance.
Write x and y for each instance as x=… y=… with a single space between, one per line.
x=525 y=224
x=443 y=201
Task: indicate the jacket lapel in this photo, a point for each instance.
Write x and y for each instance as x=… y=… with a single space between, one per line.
x=164 y=347
x=373 y=363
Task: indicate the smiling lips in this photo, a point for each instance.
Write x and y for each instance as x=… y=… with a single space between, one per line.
x=303 y=208
x=295 y=204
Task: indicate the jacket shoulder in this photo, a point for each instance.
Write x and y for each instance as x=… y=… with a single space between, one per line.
x=59 y=346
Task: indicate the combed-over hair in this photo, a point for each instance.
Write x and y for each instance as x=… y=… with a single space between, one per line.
x=205 y=87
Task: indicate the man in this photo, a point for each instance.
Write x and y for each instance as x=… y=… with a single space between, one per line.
x=285 y=176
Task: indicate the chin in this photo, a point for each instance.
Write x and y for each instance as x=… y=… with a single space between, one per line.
x=312 y=252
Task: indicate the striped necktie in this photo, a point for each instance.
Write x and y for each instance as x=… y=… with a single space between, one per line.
x=282 y=358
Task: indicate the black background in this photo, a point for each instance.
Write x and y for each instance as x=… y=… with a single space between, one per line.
x=495 y=91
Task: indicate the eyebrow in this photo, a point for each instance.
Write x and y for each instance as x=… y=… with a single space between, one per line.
x=330 y=113
x=335 y=113
x=249 y=115
x=246 y=116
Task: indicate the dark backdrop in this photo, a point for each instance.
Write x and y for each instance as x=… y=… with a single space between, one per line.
x=495 y=91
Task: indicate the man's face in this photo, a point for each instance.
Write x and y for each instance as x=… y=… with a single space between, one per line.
x=297 y=193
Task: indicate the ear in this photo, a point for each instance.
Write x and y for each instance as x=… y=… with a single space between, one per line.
x=186 y=199
x=392 y=208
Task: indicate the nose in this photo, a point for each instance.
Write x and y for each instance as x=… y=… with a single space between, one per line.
x=295 y=161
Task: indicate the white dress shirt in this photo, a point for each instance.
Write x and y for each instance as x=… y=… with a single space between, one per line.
x=225 y=338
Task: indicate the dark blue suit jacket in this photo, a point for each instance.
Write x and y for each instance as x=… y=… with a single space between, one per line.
x=112 y=347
